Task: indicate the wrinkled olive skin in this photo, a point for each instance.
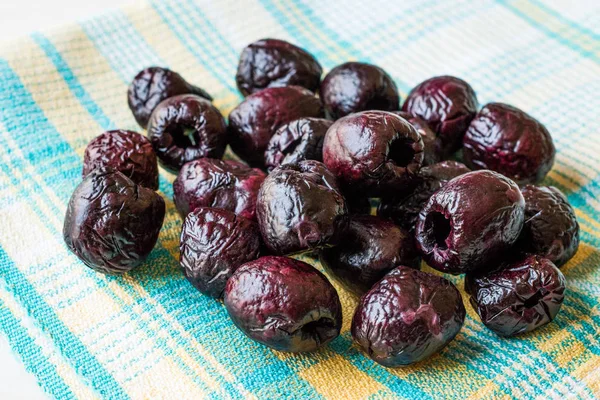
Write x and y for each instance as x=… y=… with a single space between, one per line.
x=407 y=316
x=153 y=85
x=206 y=134
x=125 y=151
x=283 y=303
x=299 y=208
x=214 y=243
x=369 y=247
x=255 y=120
x=447 y=104
x=523 y=296
x=551 y=228
x=225 y=184
x=404 y=207
x=355 y=86
x=276 y=63
x=112 y=223
x=432 y=146
x=298 y=140
x=373 y=152
x=507 y=140
x=470 y=223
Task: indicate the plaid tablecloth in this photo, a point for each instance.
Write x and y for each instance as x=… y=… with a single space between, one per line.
x=150 y=334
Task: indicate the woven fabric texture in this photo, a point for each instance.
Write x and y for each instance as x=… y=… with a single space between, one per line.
x=150 y=334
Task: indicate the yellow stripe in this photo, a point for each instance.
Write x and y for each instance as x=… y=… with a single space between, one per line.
x=580 y=258
x=169 y=48
x=588 y=220
x=474 y=327
x=82 y=315
x=336 y=378
x=169 y=237
x=308 y=26
x=340 y=53
x=485 y=392
x=101 y=82
x=63 y=114
x=557 y=26
x=72 y=379
x=589 y=374
x=569 y=354
x=537 y=92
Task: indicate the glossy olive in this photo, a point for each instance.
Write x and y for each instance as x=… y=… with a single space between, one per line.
x=470 y=223
x=284 y=303
x=407 y=316
x=112 y=224
x=124 y=151
x=185 y=128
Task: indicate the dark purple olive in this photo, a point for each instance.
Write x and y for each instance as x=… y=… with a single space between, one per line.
x=298 y=140
x=432 y=146
x=355 y=86
x=519 y=298
x=125 y=151
x=405 y=205
x=447 y=104
x=225 y=184
x=369 y=247
x=185 y=128
x=214 y=243
x=407 y=316
x=284 y=303
x=373 y=152
x=275 y=63
x=112 y=223
x=153 y=85
x=299 y=208
x=507 y=140
x=255 y=120
x=551 y=229
x=357 y=204
x=470 y=223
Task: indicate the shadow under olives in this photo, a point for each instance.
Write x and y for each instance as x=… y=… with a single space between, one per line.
x=320 y=329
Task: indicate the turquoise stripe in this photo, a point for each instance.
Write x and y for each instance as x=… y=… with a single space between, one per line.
x=117 y=41
x=185 y=286
x=341 y=345
x=280 y=16
x=30 y=354
x=70 y=346
x=583 y=333
x=63 y=191
x=84 y=97
x=560 y=39
x=335 y=36
x=233 y=55
x=256 y=379
x=421 y=28
x=322 y=56
x=264 y=376
x=567 y=21
x=72 y=82
x=176 y=21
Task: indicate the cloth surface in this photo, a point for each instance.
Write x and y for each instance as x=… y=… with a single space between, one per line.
x=150 y=334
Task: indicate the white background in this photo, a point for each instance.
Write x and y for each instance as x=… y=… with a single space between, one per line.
x=18 y=18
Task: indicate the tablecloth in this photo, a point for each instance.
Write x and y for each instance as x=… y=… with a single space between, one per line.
x=150 y=334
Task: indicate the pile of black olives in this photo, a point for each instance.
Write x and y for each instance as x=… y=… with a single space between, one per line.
x=453 y=185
